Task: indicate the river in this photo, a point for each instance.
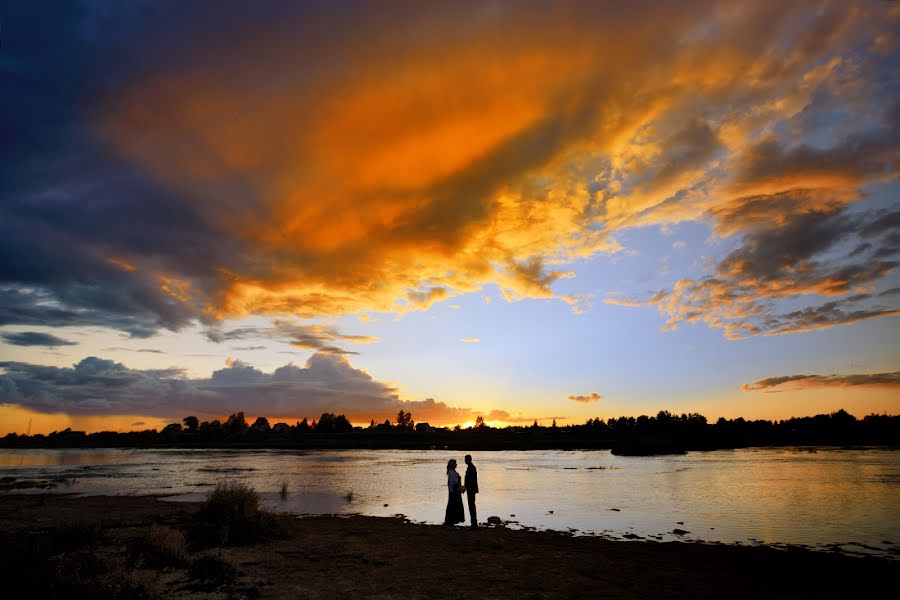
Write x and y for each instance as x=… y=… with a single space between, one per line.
x=825 y=498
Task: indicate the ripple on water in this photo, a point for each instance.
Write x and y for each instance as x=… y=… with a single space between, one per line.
x=774 y=496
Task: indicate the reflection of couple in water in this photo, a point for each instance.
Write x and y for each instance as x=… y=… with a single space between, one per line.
x=454 y=512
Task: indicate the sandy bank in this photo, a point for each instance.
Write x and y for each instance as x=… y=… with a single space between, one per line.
x=133 y=547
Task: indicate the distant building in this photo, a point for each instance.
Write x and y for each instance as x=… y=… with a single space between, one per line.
x=424 y=427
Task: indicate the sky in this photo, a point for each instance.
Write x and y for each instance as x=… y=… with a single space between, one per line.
x=515 y=210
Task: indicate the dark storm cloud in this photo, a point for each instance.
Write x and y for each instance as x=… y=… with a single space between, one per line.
x=309 y=337
x=34 y=338
x=689 y=148
x=70 y=206
x=862 y=156
x=784 y=255
x=806 y=246
x=326 y=383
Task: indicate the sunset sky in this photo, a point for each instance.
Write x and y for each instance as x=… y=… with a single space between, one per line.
x=520 y=210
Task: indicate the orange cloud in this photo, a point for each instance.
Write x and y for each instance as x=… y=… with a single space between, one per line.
x=890 y=380
x=592 y=397
x=381 y=168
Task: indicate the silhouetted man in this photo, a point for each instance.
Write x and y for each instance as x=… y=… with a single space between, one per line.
x=471 y=485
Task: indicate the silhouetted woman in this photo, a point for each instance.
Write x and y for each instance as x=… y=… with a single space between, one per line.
x=454 y=512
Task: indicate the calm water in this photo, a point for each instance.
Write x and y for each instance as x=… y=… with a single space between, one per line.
x=773 y=496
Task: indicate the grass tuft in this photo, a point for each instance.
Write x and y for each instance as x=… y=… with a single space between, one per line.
x=231 y=500
x=162 y=547
x=209 y=573
x=231 y=515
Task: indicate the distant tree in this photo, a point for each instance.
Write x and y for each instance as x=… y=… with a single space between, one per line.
x=303 y=426
x=191 y=423
x=171 y=428
x=325 y=423
x=404 y=420
x=331 y=423
x=236 y=424
x=553 y=426
x=214 y=425
x=372 y=424
x=457 y=427
x=479 y=422
x=261 y=424
x=342 y=424
x=535 y=424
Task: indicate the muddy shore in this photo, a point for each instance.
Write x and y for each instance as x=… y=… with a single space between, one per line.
x=142 y=547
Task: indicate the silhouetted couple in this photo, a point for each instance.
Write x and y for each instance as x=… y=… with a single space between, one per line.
x=454 y=512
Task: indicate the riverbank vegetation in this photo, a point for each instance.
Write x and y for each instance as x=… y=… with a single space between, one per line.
x=659 y=434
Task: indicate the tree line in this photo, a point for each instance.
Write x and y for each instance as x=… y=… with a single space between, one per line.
x=663 y=433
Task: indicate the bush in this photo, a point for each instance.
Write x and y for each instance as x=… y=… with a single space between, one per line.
x=210 y=572
x=62 y=563
x=231 y=500
x=74 y=536
x=162 y=547
x=230 y=515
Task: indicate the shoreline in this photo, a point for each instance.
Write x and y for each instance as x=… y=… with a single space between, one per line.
x=340 y=442
x=339 y=556
x=12 y=487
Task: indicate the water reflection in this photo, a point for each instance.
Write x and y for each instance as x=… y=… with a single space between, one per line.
x=788 y=496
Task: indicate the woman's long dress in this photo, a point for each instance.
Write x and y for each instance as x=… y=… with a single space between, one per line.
x=454 y=512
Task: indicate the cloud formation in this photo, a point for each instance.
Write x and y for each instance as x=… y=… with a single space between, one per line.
x=796 y=244
x=890 y=380
x=34 y=338
x=316 y=161
x=592 y=397
x=317 y=337
x=326 y=383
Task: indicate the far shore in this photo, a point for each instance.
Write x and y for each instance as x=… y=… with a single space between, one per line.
x=665 y=433
x=117 y=546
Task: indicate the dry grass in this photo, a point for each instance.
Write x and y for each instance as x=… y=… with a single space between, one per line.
x=232 y=499
x=209 y=572
x=231 y=515
x=164 y=546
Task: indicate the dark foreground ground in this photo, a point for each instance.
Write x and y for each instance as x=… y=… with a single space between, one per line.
x=141 y=547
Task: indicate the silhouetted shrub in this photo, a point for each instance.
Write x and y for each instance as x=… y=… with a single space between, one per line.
x=162 y=547
x=231 y=515
x=74 y=536
x=209 y=573
x=62 y=563
x=231 y=500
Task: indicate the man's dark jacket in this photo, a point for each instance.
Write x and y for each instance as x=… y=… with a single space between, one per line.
x=471 y=482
